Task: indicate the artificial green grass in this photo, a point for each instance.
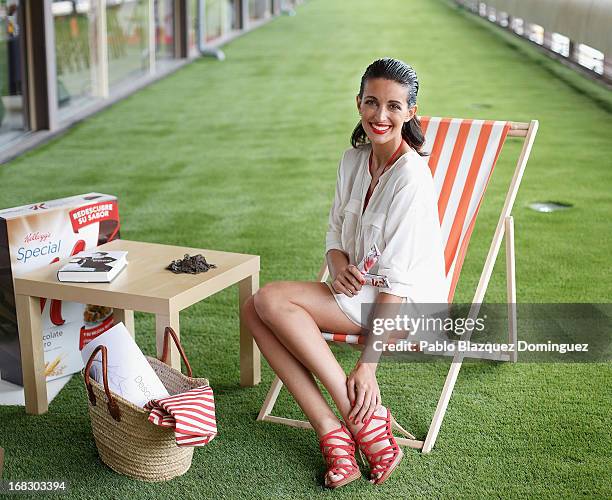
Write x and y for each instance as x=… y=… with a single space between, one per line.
x=242 y=155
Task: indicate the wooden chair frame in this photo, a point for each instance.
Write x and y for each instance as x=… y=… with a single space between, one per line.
x=505 y=227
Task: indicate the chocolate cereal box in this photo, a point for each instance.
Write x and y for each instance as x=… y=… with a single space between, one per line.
x=33 y=236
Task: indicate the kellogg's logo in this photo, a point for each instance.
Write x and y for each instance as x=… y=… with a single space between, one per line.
x=37 y=236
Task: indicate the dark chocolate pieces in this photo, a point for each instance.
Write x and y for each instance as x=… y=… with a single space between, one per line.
x=192 y=265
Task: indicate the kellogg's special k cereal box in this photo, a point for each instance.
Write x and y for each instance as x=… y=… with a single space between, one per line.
x=33 y=236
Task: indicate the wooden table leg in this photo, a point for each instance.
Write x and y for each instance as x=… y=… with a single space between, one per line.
x=126 y=317
x=32 y=354
x=250 y=358
x=161 y=322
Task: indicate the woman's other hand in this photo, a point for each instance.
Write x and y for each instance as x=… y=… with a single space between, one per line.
x=348 y=281
x=363 y=392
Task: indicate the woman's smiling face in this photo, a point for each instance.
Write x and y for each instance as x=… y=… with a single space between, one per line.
x=384 y=109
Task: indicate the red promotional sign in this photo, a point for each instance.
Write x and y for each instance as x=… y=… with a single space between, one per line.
x=96 y=212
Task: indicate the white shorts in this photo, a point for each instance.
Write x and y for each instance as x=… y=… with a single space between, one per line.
x=360 y=307
x=352 y=306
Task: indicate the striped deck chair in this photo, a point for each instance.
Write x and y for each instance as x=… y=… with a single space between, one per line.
x=463 y=154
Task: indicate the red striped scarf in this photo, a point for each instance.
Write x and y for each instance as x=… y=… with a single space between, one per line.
x=191 y=414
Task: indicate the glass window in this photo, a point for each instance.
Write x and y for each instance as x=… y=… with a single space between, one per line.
x=193 y=11
x=78 y=75
x=164 y=29
x=128 y=40
x=259 y=9
x=482 y=9
x=213 y=14
x=591 y=58
x=560 y=44
x=536 y=34
x=11 y=105
x=221 y=18
x=517 y=25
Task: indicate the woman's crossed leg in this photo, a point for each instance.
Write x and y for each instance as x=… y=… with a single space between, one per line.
x=286 y=319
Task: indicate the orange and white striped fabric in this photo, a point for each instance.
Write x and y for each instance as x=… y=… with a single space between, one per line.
x=191 y=414
x=462 y=156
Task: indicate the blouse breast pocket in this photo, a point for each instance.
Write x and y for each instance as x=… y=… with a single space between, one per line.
x=372 y=228
x=349 y=224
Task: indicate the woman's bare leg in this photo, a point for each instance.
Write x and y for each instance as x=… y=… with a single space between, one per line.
x=298 y=380
x=297 y=312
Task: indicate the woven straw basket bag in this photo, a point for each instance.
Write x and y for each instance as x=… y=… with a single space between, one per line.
x=127 y=442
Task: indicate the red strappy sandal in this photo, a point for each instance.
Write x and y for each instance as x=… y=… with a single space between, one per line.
x=348 y=471
x=377 y=460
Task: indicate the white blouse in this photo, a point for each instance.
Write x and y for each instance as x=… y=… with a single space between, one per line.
x=401 y=218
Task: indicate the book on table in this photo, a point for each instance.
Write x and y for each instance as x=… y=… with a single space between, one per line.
x=93 y=266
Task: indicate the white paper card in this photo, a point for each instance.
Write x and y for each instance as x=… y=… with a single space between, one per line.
x=129 y=373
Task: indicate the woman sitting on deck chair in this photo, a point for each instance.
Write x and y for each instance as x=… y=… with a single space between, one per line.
x=384 y=195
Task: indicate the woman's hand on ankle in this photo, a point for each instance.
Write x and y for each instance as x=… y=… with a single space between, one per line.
x=363 y=392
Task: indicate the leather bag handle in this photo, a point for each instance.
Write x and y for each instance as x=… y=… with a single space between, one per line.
x=169 y=332
x=113 y=407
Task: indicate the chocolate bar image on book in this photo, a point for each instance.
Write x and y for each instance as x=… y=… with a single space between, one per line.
x=95 y=263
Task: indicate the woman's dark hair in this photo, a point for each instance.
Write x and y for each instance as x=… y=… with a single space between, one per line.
x=404 y=74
